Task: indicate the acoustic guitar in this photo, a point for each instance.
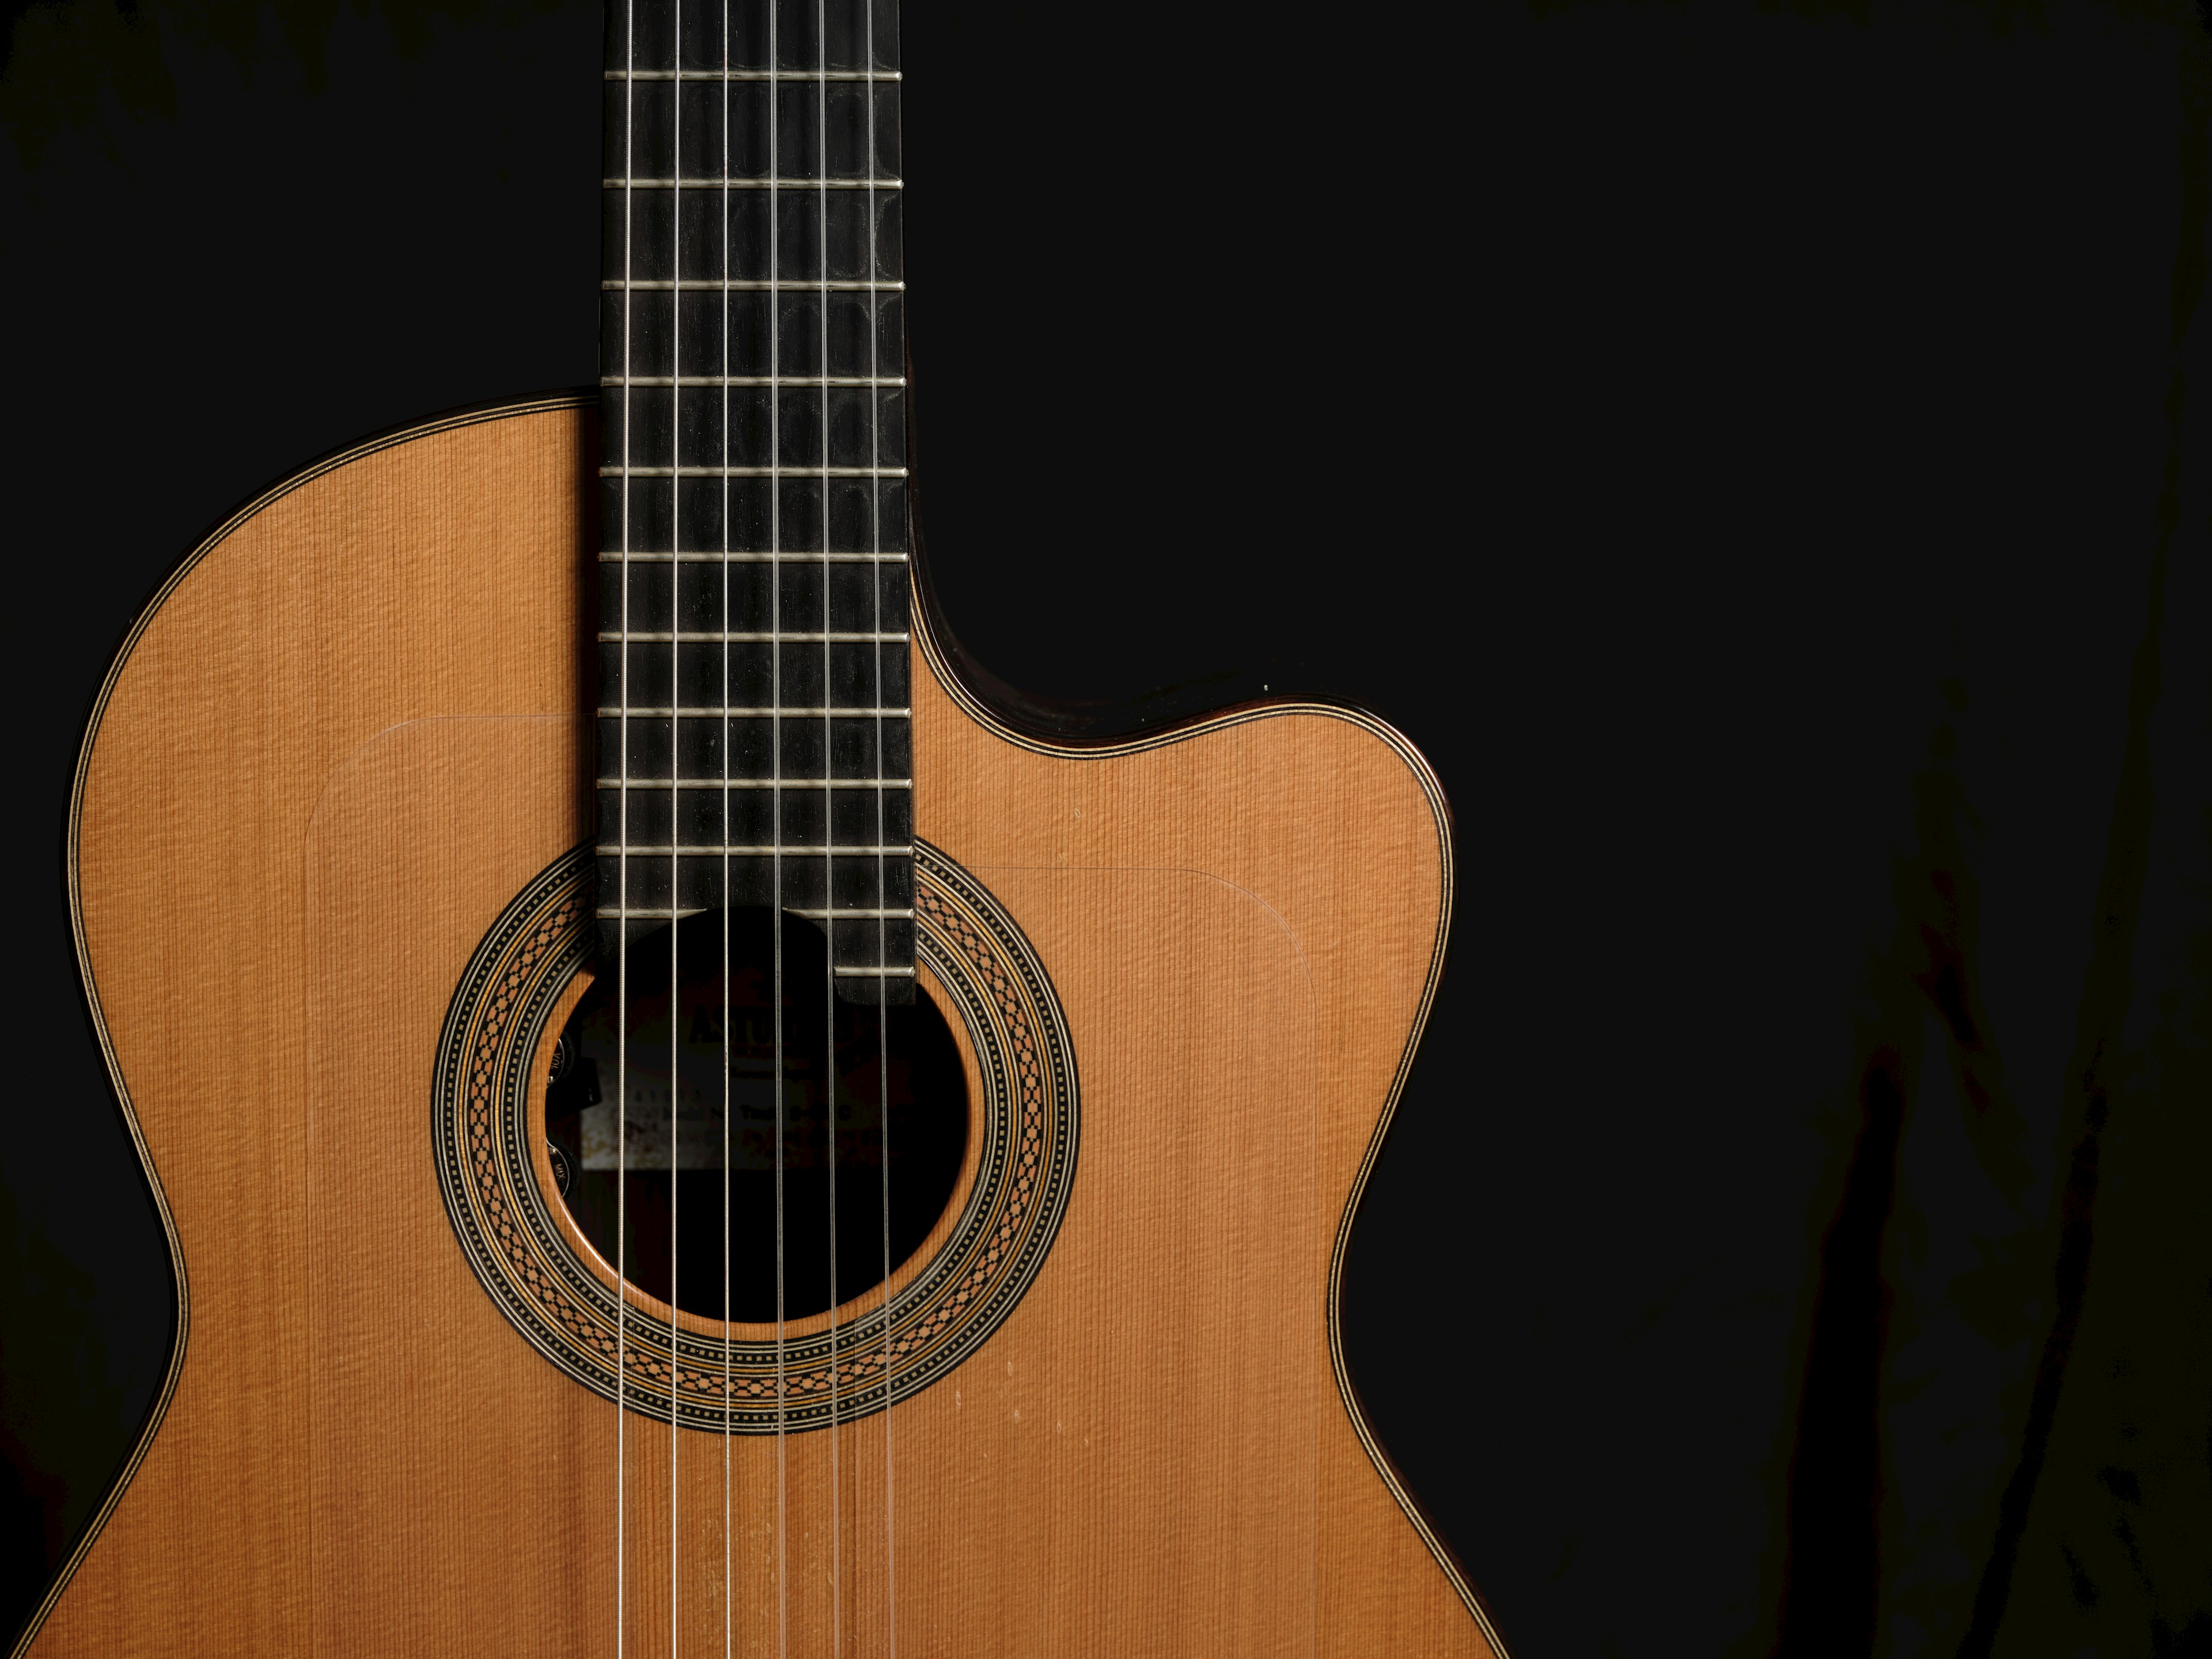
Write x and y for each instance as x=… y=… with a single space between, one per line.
x=685 y=1123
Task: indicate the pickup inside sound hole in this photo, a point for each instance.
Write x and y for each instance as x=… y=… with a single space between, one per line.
x=718 y=1095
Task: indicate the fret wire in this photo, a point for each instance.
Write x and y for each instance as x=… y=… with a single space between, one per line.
x=792 y=185
x=809 y=784
x=751 y=638
x=764 y=712
x=707 y=850
x=753 y=75
x=748 y=284
x=663 y=913
x=616 y=557
x=754 y=379
x=751 y=472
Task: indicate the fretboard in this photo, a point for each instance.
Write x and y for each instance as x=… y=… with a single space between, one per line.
x=753 y=740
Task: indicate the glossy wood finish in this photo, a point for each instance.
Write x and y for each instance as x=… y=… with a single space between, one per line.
x=342 y=741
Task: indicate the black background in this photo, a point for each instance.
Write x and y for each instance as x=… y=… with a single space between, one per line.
x=1760 y=454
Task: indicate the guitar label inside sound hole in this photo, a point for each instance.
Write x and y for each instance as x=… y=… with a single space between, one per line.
x=719 y=1095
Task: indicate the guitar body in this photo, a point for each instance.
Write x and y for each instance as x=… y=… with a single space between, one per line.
x=342 y=740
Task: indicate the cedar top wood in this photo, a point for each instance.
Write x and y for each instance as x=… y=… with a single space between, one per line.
x=333 y=750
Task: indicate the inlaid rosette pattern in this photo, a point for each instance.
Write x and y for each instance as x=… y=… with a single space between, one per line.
x=1025 y=1117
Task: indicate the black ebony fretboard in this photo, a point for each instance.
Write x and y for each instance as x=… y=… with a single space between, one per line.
x=753 y=741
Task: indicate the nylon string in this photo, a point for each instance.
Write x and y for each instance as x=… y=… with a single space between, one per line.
x=883 y=895
x=820 y=81
x=775 y=743
x=729 y=1584
x=828 y=827
x=622 y=861
x=675 y=898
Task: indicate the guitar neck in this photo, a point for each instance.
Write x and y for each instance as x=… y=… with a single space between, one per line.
x=753 y=738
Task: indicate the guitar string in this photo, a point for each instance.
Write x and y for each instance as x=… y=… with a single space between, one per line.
x=622 y=858
x=829 y=827
x=775 y=740
x=729 y=1584
x=675 y=621
x=882 y=953
x=876 y=507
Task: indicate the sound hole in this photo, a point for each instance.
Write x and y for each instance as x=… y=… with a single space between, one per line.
x=659 y=1208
